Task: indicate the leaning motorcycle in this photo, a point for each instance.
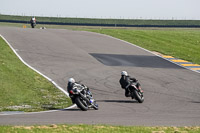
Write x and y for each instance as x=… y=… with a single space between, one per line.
x=136 y=92
x=83 y=98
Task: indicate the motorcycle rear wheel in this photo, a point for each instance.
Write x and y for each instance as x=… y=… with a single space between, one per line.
x=81 y=104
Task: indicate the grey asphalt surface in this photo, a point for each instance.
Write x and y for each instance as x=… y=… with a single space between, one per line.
x=172 y=93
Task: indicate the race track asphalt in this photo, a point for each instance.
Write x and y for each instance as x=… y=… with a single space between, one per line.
x=172 y=93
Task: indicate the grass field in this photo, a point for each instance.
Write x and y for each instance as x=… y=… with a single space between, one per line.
x=22 y=89
x=96 y=129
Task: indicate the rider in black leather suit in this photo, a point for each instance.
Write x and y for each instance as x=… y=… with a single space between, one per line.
x=125 y=81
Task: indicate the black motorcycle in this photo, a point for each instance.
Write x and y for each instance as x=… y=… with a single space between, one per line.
x=83 y=98
x=136 y=91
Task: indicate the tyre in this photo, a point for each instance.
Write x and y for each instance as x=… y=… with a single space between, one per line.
x=138 y=96
x=82 y=104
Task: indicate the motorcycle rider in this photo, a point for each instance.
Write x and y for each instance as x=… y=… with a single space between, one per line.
x=71 y=84
x=33 y=21
x=125 y=82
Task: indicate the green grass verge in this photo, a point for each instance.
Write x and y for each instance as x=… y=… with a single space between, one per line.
x=96 y=129
x=180 y=43
x=22 y=89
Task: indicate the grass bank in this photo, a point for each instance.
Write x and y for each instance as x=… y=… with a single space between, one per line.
x=180 y=43
x=96 y=129
x=22 y=89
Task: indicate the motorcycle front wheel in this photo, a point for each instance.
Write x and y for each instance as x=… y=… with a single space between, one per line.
x=138 y=96
x=82 y=104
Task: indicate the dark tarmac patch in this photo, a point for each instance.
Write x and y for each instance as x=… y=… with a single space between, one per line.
x=133 y=61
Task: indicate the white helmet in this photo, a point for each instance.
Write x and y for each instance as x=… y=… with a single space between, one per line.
x=124 y=73
x=71 y=80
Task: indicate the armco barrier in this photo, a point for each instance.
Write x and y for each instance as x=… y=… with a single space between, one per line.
x=108 y=25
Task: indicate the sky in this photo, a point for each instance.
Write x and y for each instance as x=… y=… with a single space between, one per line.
x=121 y=9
